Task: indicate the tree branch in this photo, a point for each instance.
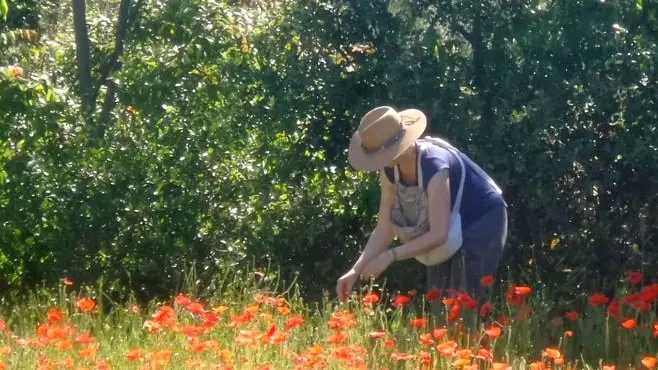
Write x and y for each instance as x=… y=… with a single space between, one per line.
x=114 y=64
x=83 y=55
x=463 y=32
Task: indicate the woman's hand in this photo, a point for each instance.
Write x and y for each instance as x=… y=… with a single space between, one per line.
x=377 y=266
x=345 y=284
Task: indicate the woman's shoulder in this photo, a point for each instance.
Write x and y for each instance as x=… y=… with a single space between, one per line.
x=432 y=152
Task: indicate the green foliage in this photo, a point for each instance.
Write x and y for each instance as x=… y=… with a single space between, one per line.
x=228 y=138
x=4 y=9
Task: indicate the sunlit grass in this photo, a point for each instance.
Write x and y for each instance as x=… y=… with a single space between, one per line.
x=248 y=324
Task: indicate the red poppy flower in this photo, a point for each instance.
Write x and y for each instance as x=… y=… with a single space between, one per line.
x=433 y=294
x=487 y=280
x=401 y=301
x=486 y=309
x=598 y=299
x=455 y=312
x=634 y=277
x=614 y=308
x=572 y=315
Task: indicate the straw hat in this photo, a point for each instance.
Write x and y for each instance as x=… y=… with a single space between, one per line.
x=383 y=135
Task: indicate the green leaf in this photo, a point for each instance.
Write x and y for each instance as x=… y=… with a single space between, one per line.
x=639 y=5
x=4 y=9
x=437 y=47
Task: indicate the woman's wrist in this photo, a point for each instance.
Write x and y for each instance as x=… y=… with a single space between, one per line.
x=393 y=253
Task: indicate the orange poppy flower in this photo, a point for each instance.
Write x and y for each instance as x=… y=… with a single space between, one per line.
x=552 y=353
x=85 y=304
x=439 y=333
x=84 y=339
x=341 y=320
x=485 y=355
x=294 y=322
x=377 y=334
x=494 y=331
x=419 y=322
x=513 y=298
x=500 y=366
x=337 y=337
x=182 y=300
x=371 y=298
x=650 y=362
x=447 y=349
x=425 y=358
x=426 y=339
x=522 y=291
x=461 y=362
x=537 y=365
x=401 y=356
x=629 y=324
x=55 y=315
x=196 y=308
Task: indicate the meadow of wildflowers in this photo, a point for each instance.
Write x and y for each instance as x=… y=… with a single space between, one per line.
x=256 y=328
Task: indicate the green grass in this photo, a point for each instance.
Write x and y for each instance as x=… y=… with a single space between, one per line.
x=250 y=321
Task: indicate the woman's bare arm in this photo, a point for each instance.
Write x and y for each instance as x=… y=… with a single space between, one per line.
x=383 y=234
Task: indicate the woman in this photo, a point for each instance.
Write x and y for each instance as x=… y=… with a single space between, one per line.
x=421 y=184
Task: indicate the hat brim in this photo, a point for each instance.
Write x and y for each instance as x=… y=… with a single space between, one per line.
x=368 y=162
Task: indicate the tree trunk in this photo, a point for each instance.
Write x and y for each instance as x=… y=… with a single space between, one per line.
x=114 y=65
x=82 y=51
x=479 y=70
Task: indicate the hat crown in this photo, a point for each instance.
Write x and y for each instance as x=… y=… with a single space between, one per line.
x=379 y=128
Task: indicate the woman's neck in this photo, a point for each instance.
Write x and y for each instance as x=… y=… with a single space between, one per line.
x=407 y=166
